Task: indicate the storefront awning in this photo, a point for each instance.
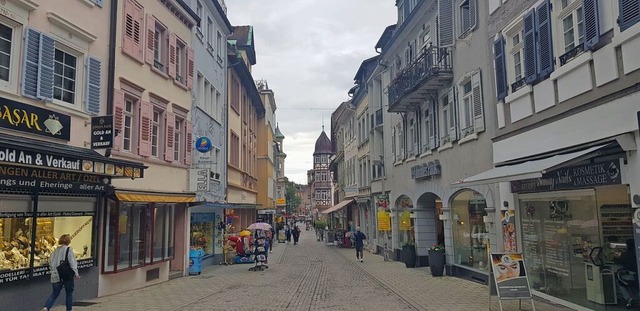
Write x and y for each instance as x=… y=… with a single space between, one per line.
x=338 y=206
x=136 y=196
x=49 y=155
x=242 y=206
x=526 y=170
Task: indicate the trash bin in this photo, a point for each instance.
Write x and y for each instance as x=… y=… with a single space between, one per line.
x=195 y=261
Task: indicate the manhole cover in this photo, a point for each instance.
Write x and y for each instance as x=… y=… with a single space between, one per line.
x=84 y=303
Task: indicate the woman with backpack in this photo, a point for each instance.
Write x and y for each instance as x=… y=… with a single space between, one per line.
x=59 y=258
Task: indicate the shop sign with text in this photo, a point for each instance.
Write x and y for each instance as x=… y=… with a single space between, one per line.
x=14 y=177
x=573 y=177
x=426 y=170
x=102 y=132
x=26 y=118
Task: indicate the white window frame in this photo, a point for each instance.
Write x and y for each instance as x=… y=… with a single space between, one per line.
x=210 y=32
x=515 y=28
x=465 y=23
x=160 y=47
x=466 y=105
x=15 y=58
x=157 y=125
x=79 y=78
x=179 y=138
x=573 y=11
x=219 y=47
x=200 y=13
x=181 y=62
x=132 y=115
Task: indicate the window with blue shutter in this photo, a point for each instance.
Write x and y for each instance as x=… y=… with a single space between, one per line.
x=92 y=86
x=591 y=23
x=500 y=64
x=29 y=84
x=544 y=39
x=45 y=70
x=629 y=13
x=530 y=68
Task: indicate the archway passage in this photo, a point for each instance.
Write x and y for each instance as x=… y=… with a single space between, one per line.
x=429 y=229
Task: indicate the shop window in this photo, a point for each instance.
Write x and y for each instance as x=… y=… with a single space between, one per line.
x=406 y=233
x=55 y=216
x=203 y=232
x=469 y=231
x=137 y=234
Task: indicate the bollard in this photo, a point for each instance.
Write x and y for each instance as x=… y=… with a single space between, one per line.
x=386 y=252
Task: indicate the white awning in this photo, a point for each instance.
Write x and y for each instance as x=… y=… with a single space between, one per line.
x=337 y=207
x=526 y=170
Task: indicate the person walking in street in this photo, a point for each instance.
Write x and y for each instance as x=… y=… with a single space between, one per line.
x=63 y=252
x=359 y=238
x=296 y=235
x=287 y=233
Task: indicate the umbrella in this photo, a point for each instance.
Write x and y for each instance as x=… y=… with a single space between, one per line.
x=259 y=226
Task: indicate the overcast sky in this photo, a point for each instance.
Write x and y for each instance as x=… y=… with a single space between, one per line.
x=309 y=51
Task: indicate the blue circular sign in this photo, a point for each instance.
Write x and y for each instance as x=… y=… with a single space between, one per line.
x=203 y=144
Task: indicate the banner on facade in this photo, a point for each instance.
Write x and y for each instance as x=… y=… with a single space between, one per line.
x=507 y=219
x=384 y=221
x=405 y=221
x=510 y=276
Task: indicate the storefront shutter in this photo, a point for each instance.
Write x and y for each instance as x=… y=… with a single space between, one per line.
x=170 y=122
x=445 y=23
x=92 y=86
x=150 y=46
x=172 y=55
x=144 y=143
x=478 y=102
x=499 y=59
x=118 y=118
x=190 y=61
x=591 y=23
x=189 y=143
x=629 y=13
x=45 y=70
x=545 y=39
x=530 y=46
x=473 y=14
x=453 y=116
x=29 y=85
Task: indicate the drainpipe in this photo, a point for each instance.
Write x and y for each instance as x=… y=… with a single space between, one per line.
x=111 y=68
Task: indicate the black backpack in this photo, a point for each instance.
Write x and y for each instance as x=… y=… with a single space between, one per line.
x=64 y=268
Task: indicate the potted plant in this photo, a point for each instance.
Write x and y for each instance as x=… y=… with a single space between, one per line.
x=436 y=259
x=409 y=254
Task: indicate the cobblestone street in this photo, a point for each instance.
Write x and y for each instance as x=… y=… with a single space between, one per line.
x=310 y=276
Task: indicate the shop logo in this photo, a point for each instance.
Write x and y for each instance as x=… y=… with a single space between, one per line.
x=558 y=209
x=53 y=125
x=613 y=171
x=531 y=211
x=203 y=144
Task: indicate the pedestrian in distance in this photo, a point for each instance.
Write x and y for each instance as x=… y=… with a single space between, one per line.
x=287 y=233
x=59 y=254
x=359 y=238
x=296 y=235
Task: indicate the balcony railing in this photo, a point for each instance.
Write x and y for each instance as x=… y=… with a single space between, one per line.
x=431 y=63
x=571 y=54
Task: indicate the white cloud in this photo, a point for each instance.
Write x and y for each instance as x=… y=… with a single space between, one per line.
x=309 y=52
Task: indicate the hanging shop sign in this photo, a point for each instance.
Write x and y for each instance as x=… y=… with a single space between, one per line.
x=384 y=221
x=426 y=170
x=15 y=177
x=26 y=118
x=510 y=276
x=573 y=177
x=102 y=132
x=281 y=201
x=68 y=163
x=203 y=144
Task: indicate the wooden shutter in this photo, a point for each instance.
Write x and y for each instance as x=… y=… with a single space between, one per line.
x=453 y=129
x=445 y=23
x=151 y=33
x=629 y=13
x=499 y=60
x=170 y=123
x=132 y=30
x=45 y=68
x=173 y=58
x=530 y=46
x=92 y=86
x=591 y=23
x=118 y=118
x=29 y=85
x=433 y=132
x=188 y=145
x=478 y=102
x=190 y=72
x=144 y=143
x=545 y=39
x=473 y=14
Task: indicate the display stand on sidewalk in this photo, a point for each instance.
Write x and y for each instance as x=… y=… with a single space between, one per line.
x=510 y=279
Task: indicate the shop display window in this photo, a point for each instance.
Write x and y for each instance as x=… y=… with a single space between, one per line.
x=55 y=216
x=137 y=234
x=405 y=222
x=469 y=232
x=558 y=231
x=203 y=232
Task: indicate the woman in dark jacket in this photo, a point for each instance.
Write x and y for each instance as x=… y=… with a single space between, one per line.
x=296 y=235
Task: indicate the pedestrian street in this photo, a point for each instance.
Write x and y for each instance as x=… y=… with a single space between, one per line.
x=310 y=276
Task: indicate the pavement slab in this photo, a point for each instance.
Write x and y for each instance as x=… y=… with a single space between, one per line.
x=315 y=277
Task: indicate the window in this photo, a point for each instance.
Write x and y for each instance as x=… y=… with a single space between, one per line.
x=467 y=105
x=159 y=53
x=234 y=152
x=6 y=38
x=137 y=235
x=468 y=15
x=516 y=51
x=235 y=95
x=464 y=16
x=209 y=35
x=178 y=139
x=181 y=62
x=156 y=127
x=572 y=27
x=130 y=118
x=199 y=10
x=219 y=46
x=64 y=77
x=132 y=28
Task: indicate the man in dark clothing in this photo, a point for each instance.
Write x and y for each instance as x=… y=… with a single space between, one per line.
x=359 y=237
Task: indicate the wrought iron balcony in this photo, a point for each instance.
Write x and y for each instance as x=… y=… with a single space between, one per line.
x=432 y=70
